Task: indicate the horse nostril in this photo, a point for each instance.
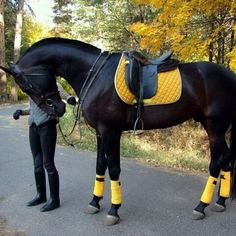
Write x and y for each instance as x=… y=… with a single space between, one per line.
x=49 y=102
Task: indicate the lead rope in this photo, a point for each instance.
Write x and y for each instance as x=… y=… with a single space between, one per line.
x=64 y=136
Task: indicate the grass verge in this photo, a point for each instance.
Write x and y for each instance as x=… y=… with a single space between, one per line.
x=182 y=147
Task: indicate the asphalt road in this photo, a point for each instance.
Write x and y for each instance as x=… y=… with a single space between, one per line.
x=155 y=201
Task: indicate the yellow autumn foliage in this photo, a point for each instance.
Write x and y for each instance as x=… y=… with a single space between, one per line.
x=189 y=28
x=233 y=60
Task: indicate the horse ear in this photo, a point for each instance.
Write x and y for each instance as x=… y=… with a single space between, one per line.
x=8 y=71
x=14 y=69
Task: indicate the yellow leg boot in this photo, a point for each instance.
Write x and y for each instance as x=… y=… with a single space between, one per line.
x=225 y=178
x=206 y=198
x=208 y=192
x=99 y=186
x=116 y=199
x=116 y=196
x=98 y=192
x=224 y=193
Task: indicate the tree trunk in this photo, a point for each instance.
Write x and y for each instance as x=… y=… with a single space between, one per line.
x=211 y=50
x=232 y=40
x=17 y=44
x=3 y=78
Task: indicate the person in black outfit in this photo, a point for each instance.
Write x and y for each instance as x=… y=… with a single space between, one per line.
x=42 y=138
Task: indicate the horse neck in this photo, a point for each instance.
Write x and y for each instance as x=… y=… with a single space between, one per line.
x=76 y=71
x=72 y=65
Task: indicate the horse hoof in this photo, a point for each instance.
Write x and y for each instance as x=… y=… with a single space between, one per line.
x=197 y=215
x=92 y=209
x=111 y=220
x=218 y=208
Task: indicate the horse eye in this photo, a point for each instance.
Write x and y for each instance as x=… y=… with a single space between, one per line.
x=49 y=102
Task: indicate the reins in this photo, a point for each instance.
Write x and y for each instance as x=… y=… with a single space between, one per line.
x=83 y=92
x=89 y=80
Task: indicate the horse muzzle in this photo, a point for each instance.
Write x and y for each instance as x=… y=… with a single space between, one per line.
x=53 y=108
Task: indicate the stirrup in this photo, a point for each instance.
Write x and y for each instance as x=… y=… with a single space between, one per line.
x=140 y=131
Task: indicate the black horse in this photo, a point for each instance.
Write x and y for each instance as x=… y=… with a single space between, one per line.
x=208 y=96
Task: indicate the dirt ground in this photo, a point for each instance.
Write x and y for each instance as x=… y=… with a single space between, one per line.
x=5 y=232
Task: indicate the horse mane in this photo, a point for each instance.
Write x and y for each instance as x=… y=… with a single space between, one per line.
x=55 y=40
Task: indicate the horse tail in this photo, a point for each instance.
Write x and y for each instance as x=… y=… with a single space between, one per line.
x=233 y=159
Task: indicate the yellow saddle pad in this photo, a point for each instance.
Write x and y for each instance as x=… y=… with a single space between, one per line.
x=168 y=90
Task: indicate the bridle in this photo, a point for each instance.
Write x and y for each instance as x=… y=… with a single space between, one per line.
x=41 y=99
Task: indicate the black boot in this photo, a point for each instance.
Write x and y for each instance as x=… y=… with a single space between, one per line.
x=41 y=189
x=54 y=201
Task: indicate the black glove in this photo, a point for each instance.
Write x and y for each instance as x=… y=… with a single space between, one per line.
x=71 y=100
x=17 y=114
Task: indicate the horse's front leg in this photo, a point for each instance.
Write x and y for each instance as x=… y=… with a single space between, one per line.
x=112 y=149
x=99 y=183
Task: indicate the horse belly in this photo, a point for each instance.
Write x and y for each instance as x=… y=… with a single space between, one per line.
x=158 y=117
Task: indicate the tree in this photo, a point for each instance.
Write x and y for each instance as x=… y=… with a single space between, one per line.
x=32 y=32
x=114 y=20
x=194 y=29
x=10 y=9
x=64 y=17
x=17 y=44
x=3 y=79
x=103 y=23
x=108 y=22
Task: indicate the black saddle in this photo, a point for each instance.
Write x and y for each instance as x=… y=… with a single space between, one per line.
x=141 y=72
x=141 y=78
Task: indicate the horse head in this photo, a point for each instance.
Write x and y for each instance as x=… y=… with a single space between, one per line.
x=39 y=82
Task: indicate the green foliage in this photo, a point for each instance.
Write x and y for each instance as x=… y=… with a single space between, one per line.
x=64 y=18
x=103 y=23
x=32 y=31
x=66 y=86
x=10 y=21
x=83 y=137
x=114 y=22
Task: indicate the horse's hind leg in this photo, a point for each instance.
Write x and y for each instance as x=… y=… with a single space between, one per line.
x=99 y=183
x=219 y=160
x=224 y=189
x=225 y=175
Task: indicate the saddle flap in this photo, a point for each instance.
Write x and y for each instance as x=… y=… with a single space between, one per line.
x=132 y=74
x=148 y=80
x=140 y=79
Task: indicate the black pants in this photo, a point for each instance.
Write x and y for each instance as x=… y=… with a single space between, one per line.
x=42 y=143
